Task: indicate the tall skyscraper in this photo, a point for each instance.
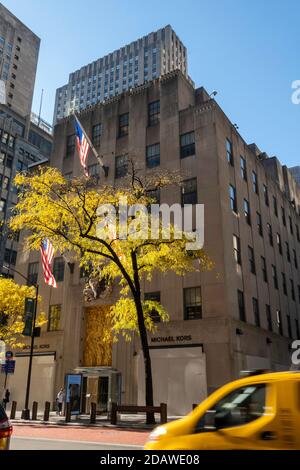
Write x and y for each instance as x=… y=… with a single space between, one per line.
x=19 y=50
x=145 y=59
x=24 y=137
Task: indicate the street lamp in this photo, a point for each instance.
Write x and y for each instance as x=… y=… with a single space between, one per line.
x=26 y=412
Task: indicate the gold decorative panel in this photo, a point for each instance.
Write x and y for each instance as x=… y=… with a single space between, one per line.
x=97 y=352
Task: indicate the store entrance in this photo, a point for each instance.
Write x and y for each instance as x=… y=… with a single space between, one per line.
x=101 y=385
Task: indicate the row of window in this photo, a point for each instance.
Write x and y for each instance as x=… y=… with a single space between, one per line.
x=192 y=307
x=255 y=186
x=192 y=303
x=58 y=271
x=7 y=139
x=259 y=223
x=252 y=268
x=268 y=313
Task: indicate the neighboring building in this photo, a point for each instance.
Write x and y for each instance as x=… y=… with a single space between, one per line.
x=295 y=170
x=19 y=50
x=242 y=315
x=146 y=58
x=22 y=143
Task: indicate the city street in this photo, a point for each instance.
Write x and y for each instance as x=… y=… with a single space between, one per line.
x=30 y=443
x=41 y=437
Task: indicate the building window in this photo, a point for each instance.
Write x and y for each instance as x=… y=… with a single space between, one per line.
x=154 y=296
x=241 y=305
x=94 y=170
x=288 y=318
x=275 y=206
x=187 y=144
x=96 y=134
x=121 y=166
x=256 y=311
x=279 y=322
x=152 y=155
x=274 y=276
x=123 y=124
x=266 y=195
x=237 y=249
x=243 y=168
x=5 y=182
x=264 y=268
x=270 y=234
x=10 y=257
x=32 y=274
x=283 y=216
x=247 y=212
x=251 y=260
x=259 y=224
x=189 y=192
x=11 y=141
x=153 y=113
x=284 y=286
x=9 y=161
x=269 y=318
x=192 y=303
x=5 y=137
x=288 y=254
x=233 y=201
x=229 y=152
x=2 y=205
x=59 y=268
x=291 y=225
x=292 y=289
x=70 y=145
x=54 y=317
x=295 y=259
x=278 y=241
x=297 y=328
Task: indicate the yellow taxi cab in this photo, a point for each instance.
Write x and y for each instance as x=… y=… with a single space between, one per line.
x=257 y=412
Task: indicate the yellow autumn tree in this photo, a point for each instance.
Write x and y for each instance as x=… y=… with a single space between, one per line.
x=77 y=217
x=12 y=303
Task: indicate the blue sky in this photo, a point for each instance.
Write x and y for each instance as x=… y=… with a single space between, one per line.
x=248 y=51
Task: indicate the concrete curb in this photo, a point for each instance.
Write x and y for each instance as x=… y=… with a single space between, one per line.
x=122 y=427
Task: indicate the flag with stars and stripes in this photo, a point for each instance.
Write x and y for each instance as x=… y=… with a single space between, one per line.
x=47 y=253
x=82 y=143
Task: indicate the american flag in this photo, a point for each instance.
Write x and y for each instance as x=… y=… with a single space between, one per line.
x=82 y=143
x=47 y=253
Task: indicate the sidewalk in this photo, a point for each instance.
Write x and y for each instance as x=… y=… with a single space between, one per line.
x=125 y=421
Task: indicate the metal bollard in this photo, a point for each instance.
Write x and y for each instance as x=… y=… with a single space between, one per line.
x=68 y=413
x=13 y=410
x=47 y=411
x=34 y=410
x=113 y=416
x=93 y=413
x=163 y=413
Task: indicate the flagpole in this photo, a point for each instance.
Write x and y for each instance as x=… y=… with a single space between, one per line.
x=100 y=159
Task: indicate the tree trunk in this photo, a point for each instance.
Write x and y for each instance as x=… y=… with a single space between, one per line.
x=147 y=358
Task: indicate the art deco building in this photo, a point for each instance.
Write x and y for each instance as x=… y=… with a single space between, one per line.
x=243 y=314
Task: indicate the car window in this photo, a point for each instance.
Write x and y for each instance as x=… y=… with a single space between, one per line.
x=238 y=407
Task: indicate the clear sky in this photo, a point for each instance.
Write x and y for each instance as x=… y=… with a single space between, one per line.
x=247 y=50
